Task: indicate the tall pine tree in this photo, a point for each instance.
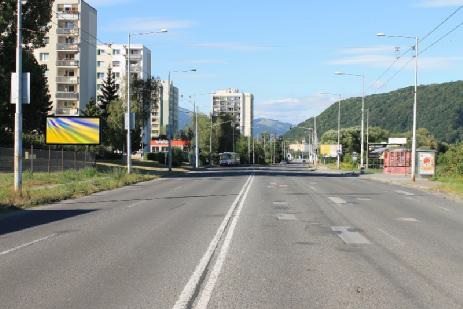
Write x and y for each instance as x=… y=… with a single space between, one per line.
x=109 y=93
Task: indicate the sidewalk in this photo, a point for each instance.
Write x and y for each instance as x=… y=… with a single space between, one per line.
x=421 y=183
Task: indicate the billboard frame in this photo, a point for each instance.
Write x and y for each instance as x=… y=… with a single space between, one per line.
x=78 y=144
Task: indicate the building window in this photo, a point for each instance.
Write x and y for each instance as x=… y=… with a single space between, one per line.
x=44 y=57
x=116 y=75
x=100 y=75
x=116 y=64
x=99 y=64
x=116 y=51
x=100 y=52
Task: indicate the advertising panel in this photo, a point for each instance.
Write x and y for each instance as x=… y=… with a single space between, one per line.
x=426 y=163
x=72 y=131
x=330 y=151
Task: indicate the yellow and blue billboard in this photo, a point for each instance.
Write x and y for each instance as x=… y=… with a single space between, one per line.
x=72 y=131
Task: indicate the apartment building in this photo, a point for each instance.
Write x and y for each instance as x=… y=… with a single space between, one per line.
x=116 y=57
x=238 y=104
x=167 y=111
x=70 y=56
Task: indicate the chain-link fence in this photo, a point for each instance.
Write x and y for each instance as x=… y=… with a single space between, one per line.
x=46 y=160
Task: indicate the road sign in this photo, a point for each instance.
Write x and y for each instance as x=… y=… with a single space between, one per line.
x=26 y=89
x=132 y=121
x=397 y=141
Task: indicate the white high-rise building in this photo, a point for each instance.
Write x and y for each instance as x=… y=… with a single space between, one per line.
x=167 y=111
x=70 y=56
x=238 y=104
x=116 y=57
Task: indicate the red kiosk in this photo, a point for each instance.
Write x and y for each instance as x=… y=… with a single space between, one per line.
x=397 y=161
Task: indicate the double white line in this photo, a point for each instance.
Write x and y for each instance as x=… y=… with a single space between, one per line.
x=191 y=289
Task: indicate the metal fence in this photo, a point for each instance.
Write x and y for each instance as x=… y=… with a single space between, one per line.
x=46 y=160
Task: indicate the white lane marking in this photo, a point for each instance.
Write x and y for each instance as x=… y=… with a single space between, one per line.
x=212 y=280
x=273 y=183
x=313 y=188
x=271 y=187
x=363 y=199
x=280 y=203
x=407 y=219
x=189 y=290
x=286 y=217
x=283 y=186
x=404 y=192
x=337 y=200
x=443 y=208
x=136 y=204
x=391 y=236
x=349 y=237
x=27 y=244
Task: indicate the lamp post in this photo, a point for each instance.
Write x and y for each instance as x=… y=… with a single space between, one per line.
x=171 y=119
x=339 y=126
x=129 y=119
x=363 y=115
x=18 y=118
x=413 y=176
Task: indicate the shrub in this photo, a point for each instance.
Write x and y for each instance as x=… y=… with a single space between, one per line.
x=450 y=163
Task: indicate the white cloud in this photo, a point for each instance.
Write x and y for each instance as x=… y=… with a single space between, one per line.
x=440 y=3
x=368 y=49
x=377 y=60
x=293 y=110
x=142 y=24
x=231 y=46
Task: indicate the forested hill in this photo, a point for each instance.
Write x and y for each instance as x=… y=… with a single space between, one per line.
x=440 y=110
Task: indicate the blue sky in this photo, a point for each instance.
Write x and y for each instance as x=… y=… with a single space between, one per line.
x=286 y=52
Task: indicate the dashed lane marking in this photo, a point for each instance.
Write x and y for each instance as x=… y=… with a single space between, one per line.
x=337 y=200
x=286 y=217
x=349 y=236
x=407 y=219
x=363 y=199
x=27 y=244
x=280 y=203
x=404 y=192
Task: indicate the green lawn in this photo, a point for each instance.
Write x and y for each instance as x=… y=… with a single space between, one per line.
x=41 y=188
x=453 y=184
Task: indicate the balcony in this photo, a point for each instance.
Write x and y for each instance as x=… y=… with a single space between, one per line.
x=135 y=68
x=67 y=95
x=67 y=80
x=135 y=57
x=67 y=46
x=67 y=111
x=67 y=63
x=72 y=30
x=68 y=15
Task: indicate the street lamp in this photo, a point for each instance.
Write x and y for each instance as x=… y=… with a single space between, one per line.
x=415 y=95
x=339 y=126
x=128 y=117
x=171 y=120
x=363 y=114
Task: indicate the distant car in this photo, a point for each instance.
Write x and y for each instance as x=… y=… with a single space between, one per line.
x=229 y=159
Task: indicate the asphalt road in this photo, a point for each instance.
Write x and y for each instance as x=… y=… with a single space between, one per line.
x=280 y=237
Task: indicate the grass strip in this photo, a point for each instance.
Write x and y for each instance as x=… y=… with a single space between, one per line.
x=43 y=188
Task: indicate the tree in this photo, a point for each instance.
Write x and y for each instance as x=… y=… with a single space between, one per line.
x=36 y=18
x=109 y=93
x=92 y=109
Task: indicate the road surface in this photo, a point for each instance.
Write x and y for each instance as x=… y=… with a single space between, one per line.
x=280 y=237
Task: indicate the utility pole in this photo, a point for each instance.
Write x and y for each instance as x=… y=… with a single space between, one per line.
x=368 y=145
x=315 y=140
x=129 y=118
x=169 y=126
x=210 y=144
x=253 y=151
x=196 y=136
x=18 y=119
